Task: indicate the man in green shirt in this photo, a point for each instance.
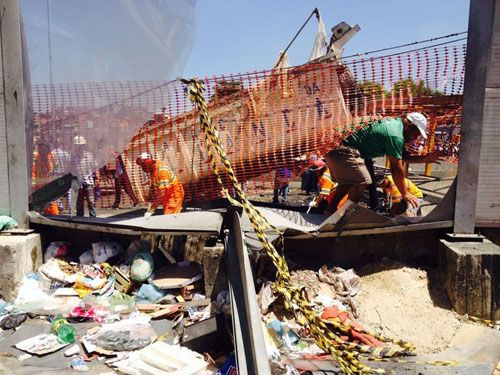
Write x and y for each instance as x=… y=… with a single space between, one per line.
x=384 y=137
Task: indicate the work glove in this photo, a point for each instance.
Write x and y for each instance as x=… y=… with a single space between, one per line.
x=312 y=203
x=148 y=214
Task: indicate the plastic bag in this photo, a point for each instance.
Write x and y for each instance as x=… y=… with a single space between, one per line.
x=141 y=267
x=30 y=297
x=136 y=247
x=120 y=341
x=102 y=251
x=121 y=303
x=87 y=257
x=56 y=249
x=13 y=321
x=6 y=222
x=149 y=294
x=52 y=276
x=85 y=285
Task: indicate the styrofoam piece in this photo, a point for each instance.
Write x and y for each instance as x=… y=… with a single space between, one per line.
x=75 y=349
x=162 y=359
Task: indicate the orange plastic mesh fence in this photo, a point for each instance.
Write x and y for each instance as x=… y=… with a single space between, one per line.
x=266 y=120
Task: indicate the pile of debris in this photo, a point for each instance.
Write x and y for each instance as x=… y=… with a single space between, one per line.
x=387 y=299
x=126 y=308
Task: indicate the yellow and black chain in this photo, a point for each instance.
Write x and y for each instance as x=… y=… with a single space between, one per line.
x=486 y=322
x=323 y=331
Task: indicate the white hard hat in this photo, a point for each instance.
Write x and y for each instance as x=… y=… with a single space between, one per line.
x=419 y=121
x=79 y=140
x=145 y=156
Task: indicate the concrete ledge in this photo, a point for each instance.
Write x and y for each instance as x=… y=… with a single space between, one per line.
x=471 y=274
x=19 y=255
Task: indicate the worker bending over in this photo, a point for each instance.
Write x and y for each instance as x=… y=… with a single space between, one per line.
x=384 y=137
x=326 y=185
x=165 y=187
x=398 y=207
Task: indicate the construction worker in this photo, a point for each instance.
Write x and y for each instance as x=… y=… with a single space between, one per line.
x=384 y=137
x=165 y=187
x=394 y=199
x=326 y=185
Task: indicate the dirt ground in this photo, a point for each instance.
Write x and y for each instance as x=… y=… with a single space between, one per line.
x=407 y=303
x=400 y=302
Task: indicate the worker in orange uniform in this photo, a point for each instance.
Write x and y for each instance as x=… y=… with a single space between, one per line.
x=165 y=187
x=326 y=185
x=393 y=197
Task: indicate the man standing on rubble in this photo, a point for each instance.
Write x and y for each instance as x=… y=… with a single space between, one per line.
x=165 y=187
x=384 y=137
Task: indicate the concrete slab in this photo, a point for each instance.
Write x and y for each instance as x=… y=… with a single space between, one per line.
x=197 y=222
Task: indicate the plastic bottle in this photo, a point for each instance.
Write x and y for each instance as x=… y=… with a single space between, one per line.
x=65 y=332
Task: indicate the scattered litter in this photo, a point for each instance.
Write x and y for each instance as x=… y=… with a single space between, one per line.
x=229 y=366
x=87 y=257
x=56 y=273
x=345 y=283
x=149 y=293
x=6 y=222
x=141 y=267
x=178 y=275
x=102 y=251
x=30 y=297
x=65 y=332
x=12 y=321
x=136 y=247
x=121 y=303
x=79 y=365
x=120 y=341
x=41 y=344
x=75 y=349
x=56 y=249
x=160 y=358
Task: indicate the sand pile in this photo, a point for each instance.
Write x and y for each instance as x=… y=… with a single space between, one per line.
x=407 y=303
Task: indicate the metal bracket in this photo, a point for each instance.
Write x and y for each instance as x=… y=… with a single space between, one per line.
x=464 y=237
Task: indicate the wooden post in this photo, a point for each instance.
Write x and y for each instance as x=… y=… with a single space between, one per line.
x=432 y=134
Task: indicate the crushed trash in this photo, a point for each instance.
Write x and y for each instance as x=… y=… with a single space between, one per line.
x=137 y=311
x=162 y=358
x=41 y=344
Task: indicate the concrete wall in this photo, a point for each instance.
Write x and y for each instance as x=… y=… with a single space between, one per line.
x=20 y=255
x=417 y=248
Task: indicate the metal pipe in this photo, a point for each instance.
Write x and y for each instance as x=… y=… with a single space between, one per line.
x=316 y=12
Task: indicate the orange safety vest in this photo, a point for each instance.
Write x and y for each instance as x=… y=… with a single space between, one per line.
x=170 y=189
x=162 y=177
x=410 y=186
x=328 y=187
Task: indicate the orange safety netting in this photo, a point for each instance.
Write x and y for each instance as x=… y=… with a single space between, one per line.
x=266 y=120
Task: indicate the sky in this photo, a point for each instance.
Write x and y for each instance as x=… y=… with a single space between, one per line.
x=104 y=40
x=234 y=36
